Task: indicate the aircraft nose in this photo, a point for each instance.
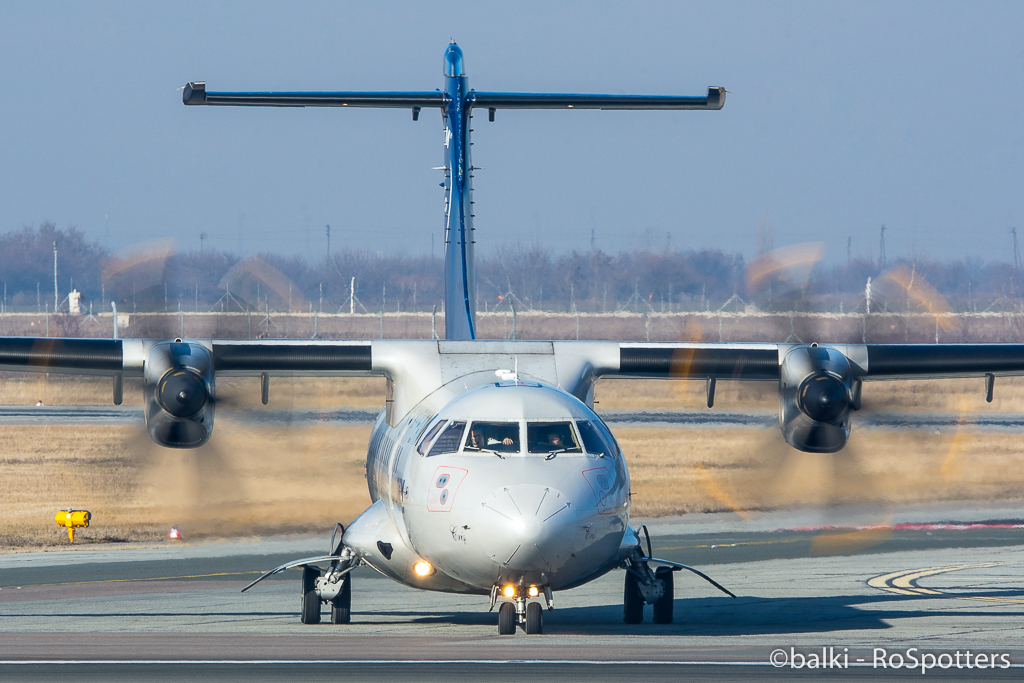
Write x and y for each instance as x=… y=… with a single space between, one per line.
x=527 y=527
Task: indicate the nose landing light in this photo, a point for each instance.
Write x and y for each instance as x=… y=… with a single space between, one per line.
x=423 y=568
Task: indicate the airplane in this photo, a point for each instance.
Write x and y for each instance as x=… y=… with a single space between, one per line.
x=489 y=471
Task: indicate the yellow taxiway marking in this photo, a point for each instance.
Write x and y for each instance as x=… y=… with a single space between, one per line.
x=152 y=578
x=905 y=582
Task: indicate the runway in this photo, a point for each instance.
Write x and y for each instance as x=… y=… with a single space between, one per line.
x=175 y=612
x=127 y=415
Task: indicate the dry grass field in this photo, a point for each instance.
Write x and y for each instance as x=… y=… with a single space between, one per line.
x=253 y=479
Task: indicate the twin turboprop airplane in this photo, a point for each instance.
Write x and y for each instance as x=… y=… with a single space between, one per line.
x=490 y=472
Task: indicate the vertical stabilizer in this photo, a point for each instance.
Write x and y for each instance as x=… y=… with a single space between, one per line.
x=459 y=274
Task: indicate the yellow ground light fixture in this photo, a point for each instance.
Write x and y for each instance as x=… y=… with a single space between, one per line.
x=73 y=519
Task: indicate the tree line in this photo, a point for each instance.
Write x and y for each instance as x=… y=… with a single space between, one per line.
x=155 y=277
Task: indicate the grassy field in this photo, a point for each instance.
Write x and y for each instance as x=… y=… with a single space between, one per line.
x=259 y=480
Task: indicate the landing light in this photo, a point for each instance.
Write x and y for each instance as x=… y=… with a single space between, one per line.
x=533 y=591
x=423 y=568
x=509 y=591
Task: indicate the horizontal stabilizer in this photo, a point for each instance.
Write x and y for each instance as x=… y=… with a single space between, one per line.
x=196 y=93
x=512 y=100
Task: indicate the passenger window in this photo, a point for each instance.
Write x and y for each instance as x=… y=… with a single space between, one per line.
x=551 y=437
x=593 y=439
x=502 y=437
x=449 y=440
x=430 y=435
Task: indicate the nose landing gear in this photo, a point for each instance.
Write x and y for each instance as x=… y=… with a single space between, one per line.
x=519 y=611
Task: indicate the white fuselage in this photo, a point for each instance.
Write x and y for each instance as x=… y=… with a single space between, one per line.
x=483 y=518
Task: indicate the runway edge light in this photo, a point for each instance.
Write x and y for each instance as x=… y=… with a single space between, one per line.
x=73 y=519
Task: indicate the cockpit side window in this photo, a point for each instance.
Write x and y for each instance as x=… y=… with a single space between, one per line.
x=502 y=437
x=551 y=437
x=430 y=435
x=594 y=439
x=449 y=440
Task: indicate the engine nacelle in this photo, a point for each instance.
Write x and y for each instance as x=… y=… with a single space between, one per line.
x=178 y=389
x=816 y=395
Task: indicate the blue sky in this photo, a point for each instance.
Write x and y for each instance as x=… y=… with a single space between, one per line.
x=840 y=117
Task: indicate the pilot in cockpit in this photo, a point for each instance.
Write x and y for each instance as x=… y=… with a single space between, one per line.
x=477 y=440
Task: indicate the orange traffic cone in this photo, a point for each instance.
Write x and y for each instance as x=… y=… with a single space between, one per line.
x=175 y=534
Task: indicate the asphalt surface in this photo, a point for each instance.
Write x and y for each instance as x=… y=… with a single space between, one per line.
x=123 y=415
x=175 y=612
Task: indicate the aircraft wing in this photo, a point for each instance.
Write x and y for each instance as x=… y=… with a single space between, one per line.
x=715 y=99
x=684 y=360
x=230 y=357
x=747 y=361
x=292 y=357
x=699 y=361
x=49 y=354
x=196 y=94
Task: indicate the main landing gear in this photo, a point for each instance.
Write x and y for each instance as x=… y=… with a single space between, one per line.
x=317 y=590
x=643 y=586
x=334 y=587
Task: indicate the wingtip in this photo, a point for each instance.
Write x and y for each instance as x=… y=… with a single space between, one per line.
x=194 y=93
x=716 y=98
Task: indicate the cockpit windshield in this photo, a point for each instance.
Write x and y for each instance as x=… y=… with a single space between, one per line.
x=430 y=436
x=593 y=439
x=449 y=440
x=501 y=437
x=551 y=437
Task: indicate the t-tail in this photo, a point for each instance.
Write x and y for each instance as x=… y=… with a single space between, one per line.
x=456 y=104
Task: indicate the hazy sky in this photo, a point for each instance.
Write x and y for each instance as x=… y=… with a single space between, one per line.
x=840 y=117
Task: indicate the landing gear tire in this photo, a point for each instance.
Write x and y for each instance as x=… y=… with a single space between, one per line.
x=310 y=613
x=341 y=606
x=663 y=605
x=632 y=601
x=534 y=618
x=507 y=619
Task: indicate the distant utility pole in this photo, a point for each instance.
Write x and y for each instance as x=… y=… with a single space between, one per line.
x=592 y=239
x=55 y=300
x=1016 y=249
x=202 y=238
x=849 y=242
x=328 y=243
x=881 y=250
